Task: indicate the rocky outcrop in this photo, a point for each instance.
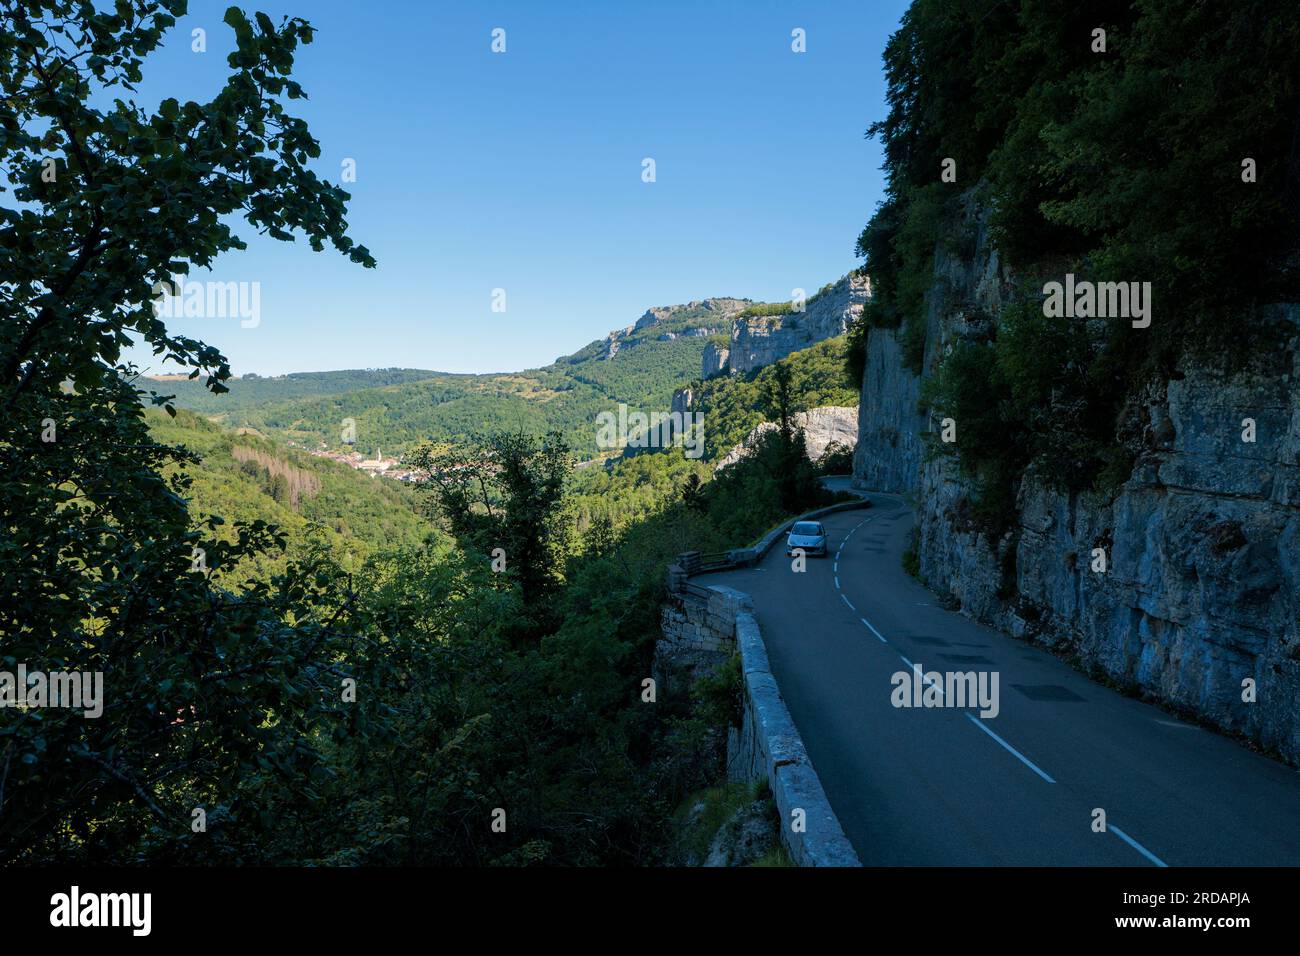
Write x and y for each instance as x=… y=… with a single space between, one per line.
x=761 y=340
x=711 y=314
x=683 y=400
x=720 y=305
x=746 y=837
x=889 y=448
x=653 y=316
x=714 y=361
x=686 y=333
x=821 y=426
x=714 y=313
x=1199 y=599
x=614 y=341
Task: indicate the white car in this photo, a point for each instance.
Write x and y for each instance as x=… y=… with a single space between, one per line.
x=808 y=536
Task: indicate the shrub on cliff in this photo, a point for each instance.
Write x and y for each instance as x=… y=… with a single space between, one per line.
x=1167 y=157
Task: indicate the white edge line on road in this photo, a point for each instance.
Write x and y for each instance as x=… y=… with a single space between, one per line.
x=1016 y=753
x=1136 y=845
x=848 y=602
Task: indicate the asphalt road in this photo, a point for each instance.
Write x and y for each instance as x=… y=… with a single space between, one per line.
x=942 y=786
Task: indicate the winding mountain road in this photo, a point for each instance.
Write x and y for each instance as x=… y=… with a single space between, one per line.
x=943 y=786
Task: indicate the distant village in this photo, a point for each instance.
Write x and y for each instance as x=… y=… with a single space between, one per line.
x=375 y=467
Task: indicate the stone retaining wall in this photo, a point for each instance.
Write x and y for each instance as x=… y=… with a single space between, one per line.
x=767 y=746
x=700 y=632
x=697 y=632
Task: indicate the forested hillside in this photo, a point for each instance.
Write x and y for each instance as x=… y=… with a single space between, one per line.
x=627 y=489
x=365 y=693
x=734 y=405
x=640 y=367
x=254 y=389
x=245 y=478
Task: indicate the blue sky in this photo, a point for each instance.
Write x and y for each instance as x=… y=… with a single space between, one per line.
x=522 y=171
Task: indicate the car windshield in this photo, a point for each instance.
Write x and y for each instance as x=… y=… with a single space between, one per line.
x=807 y=528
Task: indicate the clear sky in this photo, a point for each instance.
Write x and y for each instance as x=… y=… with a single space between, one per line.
x=523 y=170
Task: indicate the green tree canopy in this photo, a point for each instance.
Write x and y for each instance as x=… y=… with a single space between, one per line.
x=101 y=569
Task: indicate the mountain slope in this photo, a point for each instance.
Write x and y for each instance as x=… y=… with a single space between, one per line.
x=640 y=365
x=244 y=478
x=253 y=389
x=733 y=406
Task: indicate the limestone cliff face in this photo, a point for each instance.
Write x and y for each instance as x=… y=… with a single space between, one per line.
x=888 y=452
x=712 y=315
x=822 y=427
x=683 y=400
x=714 y=361
x=614 y=341
x=1202 y=586
x=762 y=340
x=720 y=305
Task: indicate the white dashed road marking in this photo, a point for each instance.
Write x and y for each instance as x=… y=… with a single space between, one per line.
x=1012 y=750
x=873 y=630
x=969 y=716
